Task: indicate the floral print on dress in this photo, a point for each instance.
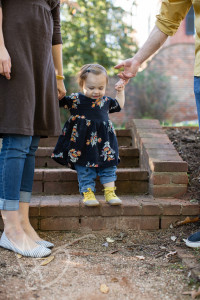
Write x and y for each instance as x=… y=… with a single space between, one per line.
x=108 y=152
x=74 y=134
x=73 y=118
x=89 y=165
x=74 y=155
x=93 y=139
x=76 y=100
x=110 y=127
x=59 y=155
x=74 y=96
x=88 y=122
x=64 y=131
x=99 y=102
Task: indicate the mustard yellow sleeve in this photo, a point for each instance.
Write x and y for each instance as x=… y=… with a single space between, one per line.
x=171 y=14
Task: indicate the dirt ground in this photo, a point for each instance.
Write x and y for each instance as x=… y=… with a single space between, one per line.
x=132 y=265
x=187 y=143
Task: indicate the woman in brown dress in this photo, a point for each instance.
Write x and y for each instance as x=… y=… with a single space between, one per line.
x=30 y=58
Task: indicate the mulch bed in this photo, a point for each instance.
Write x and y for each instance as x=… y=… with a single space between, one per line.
x=187 y=143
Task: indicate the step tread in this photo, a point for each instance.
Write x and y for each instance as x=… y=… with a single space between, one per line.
x=71 y=205
x=57 y=170
x=67 y=175
x=68 y=171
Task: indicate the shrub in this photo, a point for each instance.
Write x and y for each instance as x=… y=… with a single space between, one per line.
x=152 y=95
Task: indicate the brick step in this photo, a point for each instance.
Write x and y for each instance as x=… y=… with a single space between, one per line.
x=129 y=158
x=136 y=212
x=124 y=138
x=64 y=181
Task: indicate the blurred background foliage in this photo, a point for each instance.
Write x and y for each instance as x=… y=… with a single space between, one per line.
x=95 y=31
x=152 y=95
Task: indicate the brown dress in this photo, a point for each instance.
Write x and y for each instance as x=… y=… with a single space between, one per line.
x=28 y=101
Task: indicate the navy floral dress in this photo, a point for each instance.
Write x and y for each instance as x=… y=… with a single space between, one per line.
x=88 y=137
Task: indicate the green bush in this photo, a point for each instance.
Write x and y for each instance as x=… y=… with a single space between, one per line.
x=152 y=95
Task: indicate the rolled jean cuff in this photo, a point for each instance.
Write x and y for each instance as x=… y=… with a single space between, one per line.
x=84 y=189
x=104 y=180
x=25 y=197
x=9 y=204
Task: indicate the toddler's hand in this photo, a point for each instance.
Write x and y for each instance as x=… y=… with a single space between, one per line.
x=120 y=85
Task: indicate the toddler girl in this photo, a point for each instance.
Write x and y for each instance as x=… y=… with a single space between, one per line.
x=88 y=142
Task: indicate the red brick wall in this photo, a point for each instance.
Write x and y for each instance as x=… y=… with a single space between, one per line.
x=177 y=62
x=180 y=36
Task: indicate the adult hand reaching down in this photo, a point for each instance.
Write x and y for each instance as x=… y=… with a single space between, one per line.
x=130 y=67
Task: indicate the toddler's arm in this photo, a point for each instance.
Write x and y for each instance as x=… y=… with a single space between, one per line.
x=120 y=96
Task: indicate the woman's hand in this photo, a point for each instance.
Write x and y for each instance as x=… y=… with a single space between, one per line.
x=130 y=66
x=61 y=89
x=5 y=62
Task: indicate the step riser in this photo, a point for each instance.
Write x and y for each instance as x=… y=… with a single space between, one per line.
x=71 y=187
x=124 y=141
x=64 y=181
x=96 y=223
x=47 y=162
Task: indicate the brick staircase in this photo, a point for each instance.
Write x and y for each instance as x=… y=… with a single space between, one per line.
x=151 y=178
x=50 y=179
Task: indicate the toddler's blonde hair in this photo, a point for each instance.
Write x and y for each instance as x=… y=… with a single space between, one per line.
x=90 y=68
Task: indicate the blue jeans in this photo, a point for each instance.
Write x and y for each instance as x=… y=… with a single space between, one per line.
x=197 y=95
x=17 y=163
x=87 y=176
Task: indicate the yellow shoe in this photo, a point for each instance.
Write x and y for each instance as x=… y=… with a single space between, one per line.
x=89 y=198
x=111 y=197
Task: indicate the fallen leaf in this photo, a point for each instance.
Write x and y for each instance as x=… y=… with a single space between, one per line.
x=171 y=253
x=104 y=289
x=115 y=251
x=114 y=279
x=187 y=220
x=173 y=238
x=19 y=255
x=47 y=261
x=109 y=240
x=140 y=257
